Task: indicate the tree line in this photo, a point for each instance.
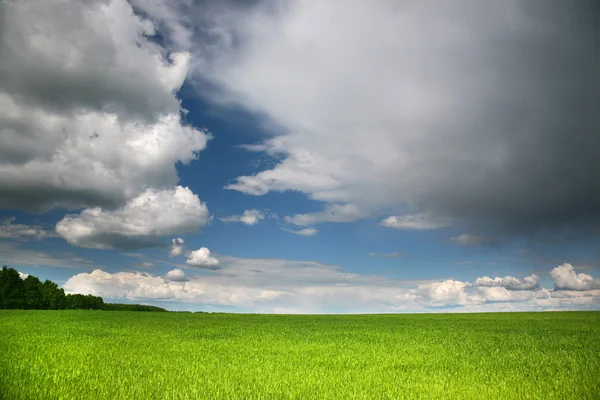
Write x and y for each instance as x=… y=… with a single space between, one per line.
x=130 y=307
x=32 y=294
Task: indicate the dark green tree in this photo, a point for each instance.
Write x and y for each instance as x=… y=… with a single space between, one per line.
x=131 y=307
x=11 y=289
x=75 y=301
x=33 y=298
x=53 y=296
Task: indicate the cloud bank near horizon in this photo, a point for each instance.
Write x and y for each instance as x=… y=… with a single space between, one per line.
x=285 y=286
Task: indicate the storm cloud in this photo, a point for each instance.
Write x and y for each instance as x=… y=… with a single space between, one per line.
x=481 y=112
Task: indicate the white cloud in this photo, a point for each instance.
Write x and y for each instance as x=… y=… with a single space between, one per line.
x=176 y=275
x=509 y=282
x=301 y=176
x=141 y=222
x=484 y=292
x=9 y=230
x=468 y=239
x=130 y=285
x=303 y=232
x=22 y=275
x=88 y=111
x=448 y=292
x=502 y=294
x=250 y=217
x=202 y=258
x=414 y=222
x=177 y=247
x=565 y=278
x=146 y=265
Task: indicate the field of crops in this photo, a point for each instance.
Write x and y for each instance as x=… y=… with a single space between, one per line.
x=129 y=355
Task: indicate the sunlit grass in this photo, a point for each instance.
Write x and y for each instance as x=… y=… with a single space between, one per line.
x=136 y=355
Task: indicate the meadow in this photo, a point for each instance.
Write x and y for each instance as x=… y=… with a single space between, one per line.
x=136 y=355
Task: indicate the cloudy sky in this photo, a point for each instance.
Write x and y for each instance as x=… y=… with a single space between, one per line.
x=304 y=156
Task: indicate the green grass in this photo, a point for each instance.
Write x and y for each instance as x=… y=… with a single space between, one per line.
x=135 y=355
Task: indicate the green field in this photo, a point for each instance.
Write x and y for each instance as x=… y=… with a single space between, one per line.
x=137 y=355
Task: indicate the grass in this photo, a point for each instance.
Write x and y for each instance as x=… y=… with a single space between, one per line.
x=136 y=355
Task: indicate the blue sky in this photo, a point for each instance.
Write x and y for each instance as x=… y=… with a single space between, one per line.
x=273 y=158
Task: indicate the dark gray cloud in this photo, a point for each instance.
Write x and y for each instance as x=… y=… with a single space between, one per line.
x=61 y=56
x=484 y=112
x=541 y=116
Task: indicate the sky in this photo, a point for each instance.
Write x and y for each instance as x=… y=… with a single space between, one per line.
x=304 y=156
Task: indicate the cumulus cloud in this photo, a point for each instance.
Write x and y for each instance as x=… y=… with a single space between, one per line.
x=414 y=222
x=141 y=222
x=466 y=110
x=486 y=292
x=177 y=247
x=249 y=217
x=22 y=275
x=9 y=230
x=468 y=239
x=503 y=294
x=202 y=258
x=448 y=292
x=88 y=112
x=130 y=285
x=176 y=275
x=565 y=278
x=526 y=292
x=509 y=282
x=303 y=232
